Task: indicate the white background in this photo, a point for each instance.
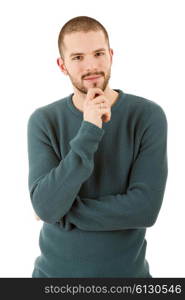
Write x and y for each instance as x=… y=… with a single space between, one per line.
x=148 y=42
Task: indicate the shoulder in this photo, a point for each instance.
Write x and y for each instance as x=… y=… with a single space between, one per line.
x=145 y=108
x=50 y=112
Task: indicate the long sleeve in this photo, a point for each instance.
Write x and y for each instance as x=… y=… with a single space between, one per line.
x=53 y=182
x=140 y=205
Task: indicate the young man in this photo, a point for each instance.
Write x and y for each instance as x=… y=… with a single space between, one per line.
x=97 y=166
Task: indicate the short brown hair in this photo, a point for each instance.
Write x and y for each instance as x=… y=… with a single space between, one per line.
x=81 y=23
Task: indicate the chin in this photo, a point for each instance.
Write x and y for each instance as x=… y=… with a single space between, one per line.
x=95 y=85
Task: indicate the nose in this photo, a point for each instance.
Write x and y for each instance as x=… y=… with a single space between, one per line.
x=90 y=64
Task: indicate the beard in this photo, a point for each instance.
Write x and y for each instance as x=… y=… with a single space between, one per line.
x=80 y=86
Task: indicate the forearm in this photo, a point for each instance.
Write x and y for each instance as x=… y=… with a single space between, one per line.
x=53 y=194
x=138 y=208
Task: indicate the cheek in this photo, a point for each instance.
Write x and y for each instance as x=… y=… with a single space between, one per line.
x=76 y=70
x=105 y=64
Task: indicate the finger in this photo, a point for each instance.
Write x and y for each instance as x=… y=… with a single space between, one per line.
x=94 y=91
x=101 y=99
x=37 y=217
x=104 y=111
x=106 y=117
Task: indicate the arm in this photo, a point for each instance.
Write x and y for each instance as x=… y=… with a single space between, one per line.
x=140 y=205
x=54 y=183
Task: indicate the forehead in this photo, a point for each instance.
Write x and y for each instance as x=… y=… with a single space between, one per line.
x=84 y=41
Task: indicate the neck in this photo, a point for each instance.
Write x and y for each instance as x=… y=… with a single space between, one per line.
x=78 y=98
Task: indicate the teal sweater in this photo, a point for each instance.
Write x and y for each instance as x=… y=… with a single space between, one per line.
x=96 y=189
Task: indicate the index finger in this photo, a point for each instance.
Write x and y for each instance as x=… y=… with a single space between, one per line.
x=93 y=91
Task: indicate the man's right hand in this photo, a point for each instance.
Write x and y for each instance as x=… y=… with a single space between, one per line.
x=91 y=107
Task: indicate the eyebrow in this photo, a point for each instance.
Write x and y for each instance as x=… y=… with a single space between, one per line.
x=80 y=53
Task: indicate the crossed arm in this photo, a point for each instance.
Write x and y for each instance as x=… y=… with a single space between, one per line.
x=140 y=205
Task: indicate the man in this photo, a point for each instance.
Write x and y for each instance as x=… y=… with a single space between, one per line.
x=97 y=166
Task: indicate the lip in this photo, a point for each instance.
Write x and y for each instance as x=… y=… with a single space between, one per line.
x=92 y=78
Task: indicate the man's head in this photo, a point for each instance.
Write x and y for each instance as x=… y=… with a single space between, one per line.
x=85 y=52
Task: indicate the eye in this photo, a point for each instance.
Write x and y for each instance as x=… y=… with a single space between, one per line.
x=99 y=53
x=77 y=57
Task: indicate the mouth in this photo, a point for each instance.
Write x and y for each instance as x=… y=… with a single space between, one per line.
x=92 y=78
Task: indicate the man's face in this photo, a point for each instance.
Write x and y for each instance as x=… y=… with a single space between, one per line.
x=87 y=60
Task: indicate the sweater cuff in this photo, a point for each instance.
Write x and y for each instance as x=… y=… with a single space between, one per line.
x=92 y=129
x=87 y=139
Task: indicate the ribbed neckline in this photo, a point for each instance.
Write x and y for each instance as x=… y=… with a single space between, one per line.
x=114 y=107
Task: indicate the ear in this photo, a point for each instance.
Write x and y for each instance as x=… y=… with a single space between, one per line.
x=111 y=54
x=60 y=63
